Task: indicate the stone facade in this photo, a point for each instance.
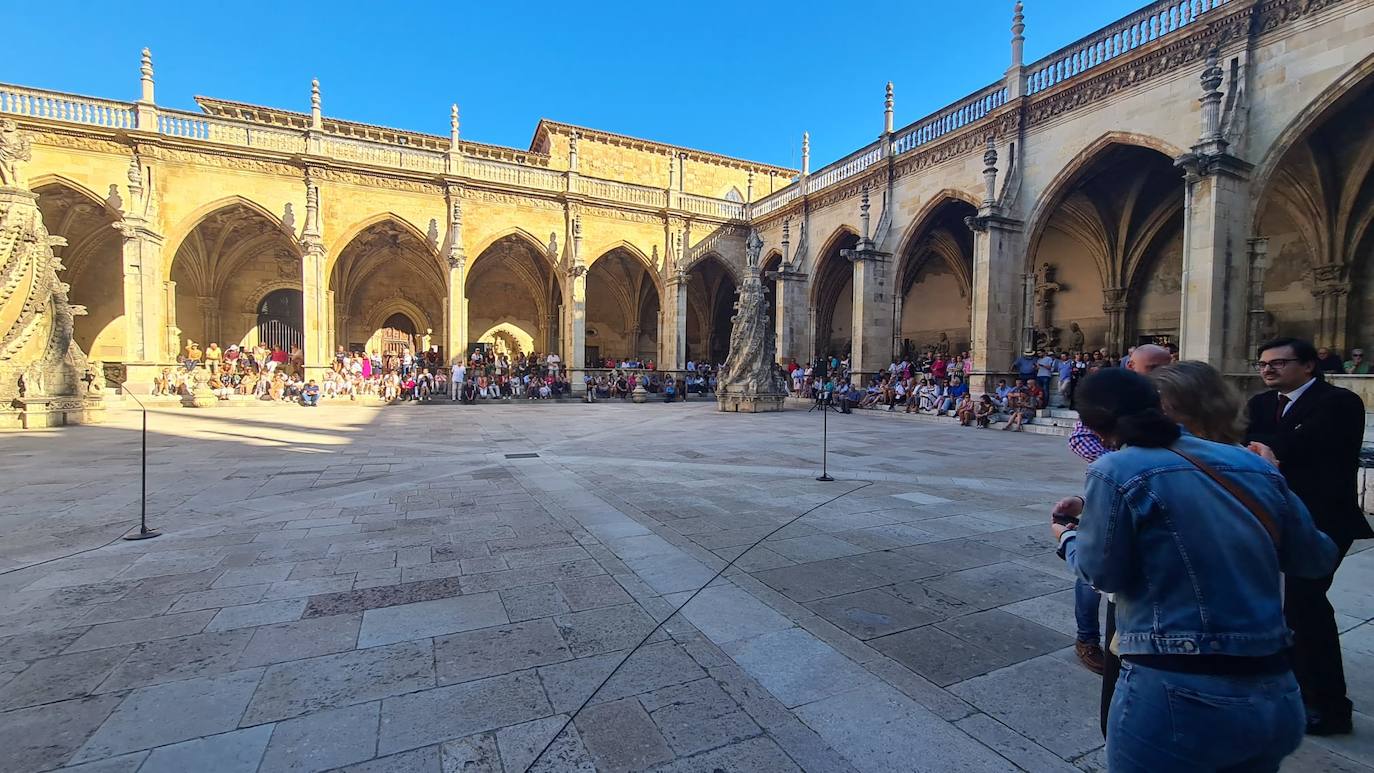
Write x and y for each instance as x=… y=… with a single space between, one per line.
x=1162 y=168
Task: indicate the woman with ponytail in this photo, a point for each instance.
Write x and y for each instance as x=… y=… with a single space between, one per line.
x=1191 y=536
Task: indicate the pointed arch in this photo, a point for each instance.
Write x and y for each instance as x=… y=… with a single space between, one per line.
x=636 y=253
x=348 y=235
x=45 y=180
x=921 y=221
x=1076 y=168
x=519 y=233
x=1302 y=124
x=729 y=267
x=179 y=233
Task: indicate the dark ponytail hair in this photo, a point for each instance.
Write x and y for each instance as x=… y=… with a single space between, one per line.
x=1124 y=405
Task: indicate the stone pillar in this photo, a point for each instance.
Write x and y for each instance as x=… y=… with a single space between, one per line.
x=1114 y=307
x=998 y=290
x=673 y=335
x=575 y=301
x=792 y=315
x=456 y=313
x=1257 y=324
x=872 y=314
x=1331 y=289
x=209 y=320
x=144 y=292
x=1216 y=195
x=171 y=341
x=316 y=308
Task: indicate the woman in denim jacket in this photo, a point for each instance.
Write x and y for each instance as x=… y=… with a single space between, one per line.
x=1205 y=682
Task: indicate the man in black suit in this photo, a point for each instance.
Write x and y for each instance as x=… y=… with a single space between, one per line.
x=1315 y=430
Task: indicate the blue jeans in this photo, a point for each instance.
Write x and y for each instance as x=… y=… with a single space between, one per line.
x=1162 y=720
x=1086 y=603
x=310 y=399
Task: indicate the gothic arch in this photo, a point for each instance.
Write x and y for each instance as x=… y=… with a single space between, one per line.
x=1109 y=229
x=44 y=180
x=1301 y=125
x=922 y=218
x=250 y=302
x=351 y=233
x=634 y=251
x=538 y=246
x=1080 y=164
x=92 y=260
x=729 y=267
x=831 y=275
x=178 y=234
x=380 y=312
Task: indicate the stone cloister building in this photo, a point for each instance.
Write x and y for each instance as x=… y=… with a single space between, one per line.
x=1198 y=173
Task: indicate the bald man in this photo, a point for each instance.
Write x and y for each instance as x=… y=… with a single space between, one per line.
x=1148 y=357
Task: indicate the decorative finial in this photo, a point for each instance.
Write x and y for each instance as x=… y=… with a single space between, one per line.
x=786 y=240
x=989 y=171
x=887 y=110
x=146 y=71
x=1018 y=34
x=1212 y=77
x=453 y=122
x=863 y=213
x=316 y=122
x=806 y=153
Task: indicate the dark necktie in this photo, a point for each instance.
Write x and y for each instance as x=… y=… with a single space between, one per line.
x=1284 y=400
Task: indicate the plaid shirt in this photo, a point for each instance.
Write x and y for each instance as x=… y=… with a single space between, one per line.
x=1086 y=443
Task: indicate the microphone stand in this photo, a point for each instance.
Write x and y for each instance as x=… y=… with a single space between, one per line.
x=143 y=531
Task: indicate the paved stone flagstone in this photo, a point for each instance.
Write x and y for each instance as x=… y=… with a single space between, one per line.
x=345 y=595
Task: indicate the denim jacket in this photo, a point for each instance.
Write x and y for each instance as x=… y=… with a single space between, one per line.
x=1194 y=572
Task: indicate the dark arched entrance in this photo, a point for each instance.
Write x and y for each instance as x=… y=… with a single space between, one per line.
x=280 y=319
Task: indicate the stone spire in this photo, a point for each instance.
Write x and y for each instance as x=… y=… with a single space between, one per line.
x=749 y=189
x=806 y=154
x=1018 y=35
x=316 y=121
x=146 y=73
x=572 y=151
x=1016 y=74
x=887 y=110
x=453 y=126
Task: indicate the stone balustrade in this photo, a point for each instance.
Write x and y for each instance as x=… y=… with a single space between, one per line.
x=477 y=165
x=1149 y=24
x=966 y=111
x=17 y=100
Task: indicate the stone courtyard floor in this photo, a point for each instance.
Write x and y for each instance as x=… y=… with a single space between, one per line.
x=399 y=589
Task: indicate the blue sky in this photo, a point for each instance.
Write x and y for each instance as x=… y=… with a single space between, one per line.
x=738 y=78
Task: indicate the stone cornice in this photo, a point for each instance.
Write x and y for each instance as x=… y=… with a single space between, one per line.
x=548 y=127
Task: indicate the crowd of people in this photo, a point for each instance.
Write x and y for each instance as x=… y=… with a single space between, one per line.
x=275 y=374
x=1216 y=527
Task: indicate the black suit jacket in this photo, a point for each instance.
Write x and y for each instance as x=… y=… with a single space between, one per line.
x=1318 y=442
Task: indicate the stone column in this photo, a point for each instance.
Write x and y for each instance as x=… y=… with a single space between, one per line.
x=144 y=292
x=171 y=341
x=673 y=335
x=1216 y=195
x=1331 y=289
x=209 y=320
x=1114 y=307
x=456 y=313
x=998 y=290
x=872 y=313
x=792 y=316
x=575 y=302
x=316 y=308
x=1257 y=323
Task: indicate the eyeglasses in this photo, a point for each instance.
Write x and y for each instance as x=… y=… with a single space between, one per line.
x=1278 y=364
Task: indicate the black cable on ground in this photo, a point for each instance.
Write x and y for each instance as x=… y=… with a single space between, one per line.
x=673 y=614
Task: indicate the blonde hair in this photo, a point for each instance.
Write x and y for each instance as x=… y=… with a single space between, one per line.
x=1195 y=395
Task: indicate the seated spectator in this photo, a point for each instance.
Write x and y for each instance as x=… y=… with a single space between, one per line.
x=310 y=394
x=964 y=410
x=1329 y=362
x=1356 y=365
x=983 y=411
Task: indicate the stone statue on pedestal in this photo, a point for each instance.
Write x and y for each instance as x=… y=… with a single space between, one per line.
x=751 y=381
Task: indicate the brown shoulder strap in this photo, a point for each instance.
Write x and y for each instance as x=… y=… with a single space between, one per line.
x=1245 y=498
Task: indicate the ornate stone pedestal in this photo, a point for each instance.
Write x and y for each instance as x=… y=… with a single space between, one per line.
x=639 y=395
x=200 y=395
x=751 y=381
x=742 y=403
x=39 y=412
